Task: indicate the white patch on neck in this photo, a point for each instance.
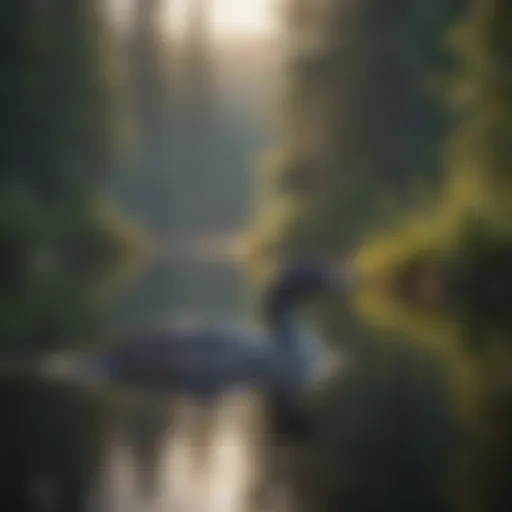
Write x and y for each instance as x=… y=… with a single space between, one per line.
x=319 y=362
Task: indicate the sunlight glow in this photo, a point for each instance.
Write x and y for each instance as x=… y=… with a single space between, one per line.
x=229 y=19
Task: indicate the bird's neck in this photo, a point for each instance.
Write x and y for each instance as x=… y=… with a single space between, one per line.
x=284 y=327
x=302 y=348
x=293 y=332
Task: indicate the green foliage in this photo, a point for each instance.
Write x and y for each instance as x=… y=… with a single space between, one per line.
x=361 y=133
x=61 y=244
x=467 y=236
x=357 y=119
x=467 y=230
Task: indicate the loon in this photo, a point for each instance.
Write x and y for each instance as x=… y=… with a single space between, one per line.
x=204 y=360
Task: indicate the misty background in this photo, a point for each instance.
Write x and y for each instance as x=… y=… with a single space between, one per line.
x=159 y=157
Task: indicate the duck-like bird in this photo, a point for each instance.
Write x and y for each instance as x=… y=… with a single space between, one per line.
x=205 y=360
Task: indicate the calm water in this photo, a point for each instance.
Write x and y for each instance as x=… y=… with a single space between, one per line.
x=67 y=448
x=388 y=435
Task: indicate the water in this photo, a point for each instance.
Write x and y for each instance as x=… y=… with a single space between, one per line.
x=69 y=447
x=387 y=437
x=181 y=287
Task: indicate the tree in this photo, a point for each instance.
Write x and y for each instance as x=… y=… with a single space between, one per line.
x=358 y=127
x=60 y=239
x=466 y=239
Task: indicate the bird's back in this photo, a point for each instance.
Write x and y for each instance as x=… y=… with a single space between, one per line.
x=197 y=357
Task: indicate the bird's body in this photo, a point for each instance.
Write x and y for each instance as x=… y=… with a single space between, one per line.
x=206 y=359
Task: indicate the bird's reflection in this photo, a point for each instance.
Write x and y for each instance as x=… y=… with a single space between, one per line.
x=181 y=456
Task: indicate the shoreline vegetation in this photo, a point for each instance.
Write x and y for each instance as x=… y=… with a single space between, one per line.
x=389 y=143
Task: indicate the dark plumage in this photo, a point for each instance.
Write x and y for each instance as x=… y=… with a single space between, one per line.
x=205 y=360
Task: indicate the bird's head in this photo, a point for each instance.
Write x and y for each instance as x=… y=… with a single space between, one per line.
x=297 y=281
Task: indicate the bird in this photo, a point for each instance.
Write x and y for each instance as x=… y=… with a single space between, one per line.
x=204 y=359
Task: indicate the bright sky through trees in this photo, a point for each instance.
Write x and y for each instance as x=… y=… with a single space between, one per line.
x=230 y=19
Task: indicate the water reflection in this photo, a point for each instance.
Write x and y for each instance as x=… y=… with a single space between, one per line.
x=164 y=289
x=67 y=447
x=385 y=439
x=64 y=449
x=52 y=438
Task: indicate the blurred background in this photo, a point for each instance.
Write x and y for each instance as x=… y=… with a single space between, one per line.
x=159 y=155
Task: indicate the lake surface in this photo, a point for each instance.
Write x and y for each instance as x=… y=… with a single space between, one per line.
x=388 y=436
x=65 y=447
